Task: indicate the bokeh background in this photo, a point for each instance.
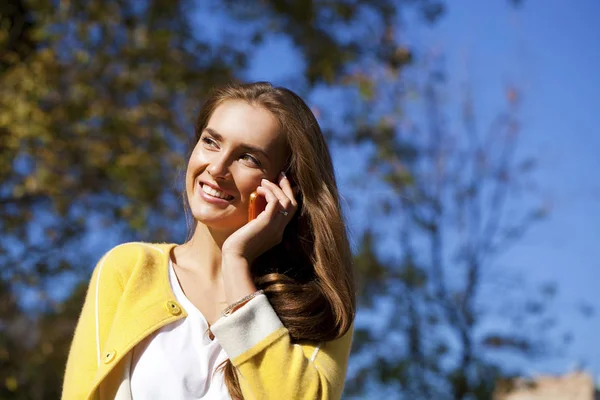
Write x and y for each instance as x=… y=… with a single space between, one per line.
x=464 y=136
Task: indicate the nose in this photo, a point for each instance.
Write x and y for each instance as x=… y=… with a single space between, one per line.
x=219 y=167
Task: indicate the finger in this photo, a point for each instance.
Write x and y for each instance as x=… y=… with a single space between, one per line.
x=286 y=186
x=267 y=193
x=273 y=206
x=273 y=199
x=283 y=210
x=284 y=200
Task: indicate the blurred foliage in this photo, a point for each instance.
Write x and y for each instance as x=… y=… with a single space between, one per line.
x=333 y=35
x=96 y=108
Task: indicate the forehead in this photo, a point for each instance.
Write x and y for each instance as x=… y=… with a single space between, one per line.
x=238 y=121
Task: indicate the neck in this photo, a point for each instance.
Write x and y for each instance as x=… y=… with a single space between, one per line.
x=202 y=253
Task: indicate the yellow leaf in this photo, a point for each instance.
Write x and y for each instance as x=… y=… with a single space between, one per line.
x=11 y=383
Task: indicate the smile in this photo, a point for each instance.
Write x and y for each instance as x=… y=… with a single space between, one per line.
x=215 y=193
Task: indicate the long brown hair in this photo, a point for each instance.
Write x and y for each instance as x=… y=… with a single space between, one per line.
x=307 y=277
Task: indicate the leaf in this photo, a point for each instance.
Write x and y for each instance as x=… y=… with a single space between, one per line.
x=502 y=341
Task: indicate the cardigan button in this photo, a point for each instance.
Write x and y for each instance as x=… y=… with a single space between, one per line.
x=109 y=356
x=173 y=307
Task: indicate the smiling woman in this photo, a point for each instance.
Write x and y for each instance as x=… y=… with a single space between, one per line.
x=240 y=145
x=244 y=309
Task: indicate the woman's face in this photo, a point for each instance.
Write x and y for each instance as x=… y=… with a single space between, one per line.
x=241 y=145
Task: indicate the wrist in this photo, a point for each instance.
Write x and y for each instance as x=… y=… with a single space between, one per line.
x=237 y=259
x=237 y=278
x=238 y=304
x=232 y=257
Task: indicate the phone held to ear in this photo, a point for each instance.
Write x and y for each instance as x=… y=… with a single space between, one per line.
x=257 y=205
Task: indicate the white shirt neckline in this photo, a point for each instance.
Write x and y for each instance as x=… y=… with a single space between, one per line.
x=189 y=307
x=179 y=360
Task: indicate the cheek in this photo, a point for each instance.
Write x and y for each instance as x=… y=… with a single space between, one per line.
x=246 y=183
x=249 y=187
x=195 y=163
x=189 y=175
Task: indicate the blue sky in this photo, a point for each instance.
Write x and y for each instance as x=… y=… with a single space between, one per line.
x=550 y=51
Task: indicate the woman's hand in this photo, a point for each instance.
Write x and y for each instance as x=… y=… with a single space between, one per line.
x=266 y=231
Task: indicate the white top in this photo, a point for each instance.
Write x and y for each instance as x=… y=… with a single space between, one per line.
x=179 y=360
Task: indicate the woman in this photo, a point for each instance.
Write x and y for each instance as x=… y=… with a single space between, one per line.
x=259 y=309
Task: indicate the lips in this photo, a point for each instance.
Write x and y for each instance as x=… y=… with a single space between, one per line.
x=215 y=191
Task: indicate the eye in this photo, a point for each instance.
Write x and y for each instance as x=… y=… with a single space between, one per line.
x=251 y=159
x=208 y=141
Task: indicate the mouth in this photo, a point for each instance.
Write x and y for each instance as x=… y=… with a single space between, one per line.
x=214 y=192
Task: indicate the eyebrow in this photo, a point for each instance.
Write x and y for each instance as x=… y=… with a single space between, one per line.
x=245 y=146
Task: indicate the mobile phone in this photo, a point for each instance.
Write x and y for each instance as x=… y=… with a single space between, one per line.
x=257 y=205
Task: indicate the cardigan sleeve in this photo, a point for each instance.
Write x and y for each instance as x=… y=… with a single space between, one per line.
x=270 y=366
x=84 y=355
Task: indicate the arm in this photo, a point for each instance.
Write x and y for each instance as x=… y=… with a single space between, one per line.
x=270 y=366
x=259 y=346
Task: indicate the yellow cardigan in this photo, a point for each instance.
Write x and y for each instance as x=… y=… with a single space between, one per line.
x=130 y=297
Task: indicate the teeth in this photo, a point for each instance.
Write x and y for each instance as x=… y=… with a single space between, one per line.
x=215 y=193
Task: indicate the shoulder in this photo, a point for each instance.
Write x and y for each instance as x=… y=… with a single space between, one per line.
x=123 y=259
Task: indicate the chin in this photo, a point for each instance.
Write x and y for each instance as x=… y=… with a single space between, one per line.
x=218 y=220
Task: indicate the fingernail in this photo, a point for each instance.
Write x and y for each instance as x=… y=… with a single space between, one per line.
x=283 y=175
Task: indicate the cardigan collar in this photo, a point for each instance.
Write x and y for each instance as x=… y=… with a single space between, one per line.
x=146 y=305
